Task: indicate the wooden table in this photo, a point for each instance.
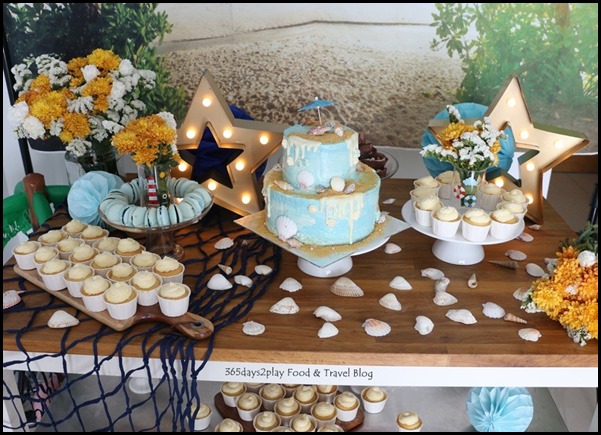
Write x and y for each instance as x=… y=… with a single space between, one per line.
x=487 y=353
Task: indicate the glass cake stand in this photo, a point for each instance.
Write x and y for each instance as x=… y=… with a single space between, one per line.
x=456 y=250
x=161 y=240
x=392 y=165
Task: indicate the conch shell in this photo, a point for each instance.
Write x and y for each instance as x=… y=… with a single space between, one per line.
x=510 y=264
x=513 y=318
x=473 y=281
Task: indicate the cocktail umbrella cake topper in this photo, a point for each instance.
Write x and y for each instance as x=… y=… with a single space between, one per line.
x=317 y=104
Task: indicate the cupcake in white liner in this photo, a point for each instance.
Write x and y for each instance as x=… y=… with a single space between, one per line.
x=424 y=209
x=282 y=429
x=127 y=248
x=374 y=399
x=121 y=272
x=24 y=254
x=75 y=276
x=169 y=269
x=306 y=396
x=327 y=393
x=74 y=228
x=303 y=423
x=174 y=299
x=408 y=422
x=121 y=301
x=447 y=180
x=516 y=196
x=103 y=262
x=347 y=406
x=330 y=428
x=52 y=237
x=489 y=195
x=229 y=425
x=231 y=391
x=92 y=293
x=421 y=192
x=503 y=224
x=83 y=254
x=266 y=421
x=429 y=182
x=107 y=244
x=253 y=387
x=146 y=284
x=518 y=210
x=66 y=247
x=445 y=221
x=475 y=225
x=271 y=393
x=44 y=254
x=145 y=260
x=324 y=413
x=248 y=405
x=287 y=408
x=290 y=389
x=93 y=233
x=203 y=417
x=53 y=274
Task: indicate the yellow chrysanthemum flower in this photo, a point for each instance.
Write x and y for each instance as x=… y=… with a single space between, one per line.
x=74 y=67
x=49 y=107
x=76 y=124
x=41 y=84
x=452 y=132
x=105 y=60
x=99 y=89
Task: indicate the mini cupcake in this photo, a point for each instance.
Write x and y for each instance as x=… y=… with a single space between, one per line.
x=475 y=225
x=253 y=387
x=270 y=394
x=306 y=396
x=489 y=195
x=145 y=260
x=324 y=413
x=121 y=272
x=303 y=423
x=107 y=244
x=74 y=228
x=326 y=393
x=427 y=181
x=347 y=406
x=424 y=208
x=92 y=293
x=174 y=299
x=75 y=276
x=53 y=274
x=447 y=179
x=517 y=209
x=146 y=284
x=290 y=389
x=330 y=428
x=503 y=224
x=52 y=237
x=248 y=405
x=408 y=422
x=282 y=429
x=93 y=233
x=24 y=254
x=83 y=254
x=203 y=416
x=121 y=301
x=42 y=255
x=421 y=192
x=445 y=222
x=103 y=262
x=266 y=421
x=231 y=391
x=374 y=399
x=127 y=248
x=169 y=269
x=229 y=425
x=66 y=246
x=516 y=196
x=287 y=408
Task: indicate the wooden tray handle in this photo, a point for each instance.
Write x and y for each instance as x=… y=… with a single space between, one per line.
x=190 y=325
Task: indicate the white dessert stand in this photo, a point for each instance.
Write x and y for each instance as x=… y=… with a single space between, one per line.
x=455 y=250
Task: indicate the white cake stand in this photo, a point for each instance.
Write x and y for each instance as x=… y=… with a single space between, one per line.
x=455 y=250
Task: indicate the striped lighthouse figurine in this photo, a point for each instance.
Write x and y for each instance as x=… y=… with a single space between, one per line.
x=153 y=200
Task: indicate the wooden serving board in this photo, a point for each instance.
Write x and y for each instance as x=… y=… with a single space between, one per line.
x=232 y=412
x=191 y=325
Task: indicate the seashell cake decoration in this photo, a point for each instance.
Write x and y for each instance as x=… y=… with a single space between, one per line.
x=253 y=328
x=327 y=314
x=286 y=228
x=376 y=328
x=345 y=287
x=305 y=179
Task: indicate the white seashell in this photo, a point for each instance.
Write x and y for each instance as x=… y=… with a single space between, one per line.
x=444 y=299
x=305 y=179
x=219 y=282
x=339 y=131
x=389 y=201
x=473 y=281
x=587 y=259
x=376 y=328
x=327 y=314
x=62 y=319
x=535 y=227
x=442 y=284
x=225 y=269
x=263 y=269
x=360 y=167
x=392 y=248
x=513 y=318
x=432 y=273
x=390 y=301
x=423 y=325
x=10 y=298
x=522 y=293
x=535 y=270
x=350 y=188
x=525 y=237
x=510 y=264
x=277 y=167
x=382 y=217
x=530 y=334
x=243 y=280
x=551 y=261
x=400 y=283
x=328 y=330
x=461 y=316
x=293 y=243
x=224 y=243
x=284 y=185
x=337 y=184
x=291 y=285
x=492 y=310
x=346 y=288
x=514 y=254
x=320 y=189
x=285 y=306
x=253 y=328
x=285 y=227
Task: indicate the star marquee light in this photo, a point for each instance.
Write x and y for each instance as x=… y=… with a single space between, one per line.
x=546 y=146
x=256 y=141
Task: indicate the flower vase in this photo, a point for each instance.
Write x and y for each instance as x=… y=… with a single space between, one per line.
x=465 y=192
x=98 y=158
x=155 y=179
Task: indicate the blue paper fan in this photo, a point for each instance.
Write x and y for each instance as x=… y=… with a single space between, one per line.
x=500 y=409
x=86 y=194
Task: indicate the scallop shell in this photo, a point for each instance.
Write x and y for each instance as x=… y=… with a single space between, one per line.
x=522 y=293
x=327 y=314
x=350 y=188
x=263 y=269
x=62 y=319
x=285 y=227
x=492 y=310
x=535 y=227
x=442 y=284
x=423 y=325
x=253 y=328
x=390 y=301
x=525 y=237
x=10 y=298
x=444 y=299
x=376 y=328
x=432 y=273
x=293 y=243
x=285 y=306
x=219 y=282
x=328 y=330
x=473 y=281
x=291 y=285
x=514 y=254
x=400 y=283
x=392 y=248
x=535 y=270
x=389 y=201
x=284 y=185
x=243 y=280
x=461 y=316
x=510 y=264
x=530 y=334
x=347 y=288
x=513 y=318
x=305 y=179
x=224 y=243
x=337 y=184
x=225 y=269
x=382 y=217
